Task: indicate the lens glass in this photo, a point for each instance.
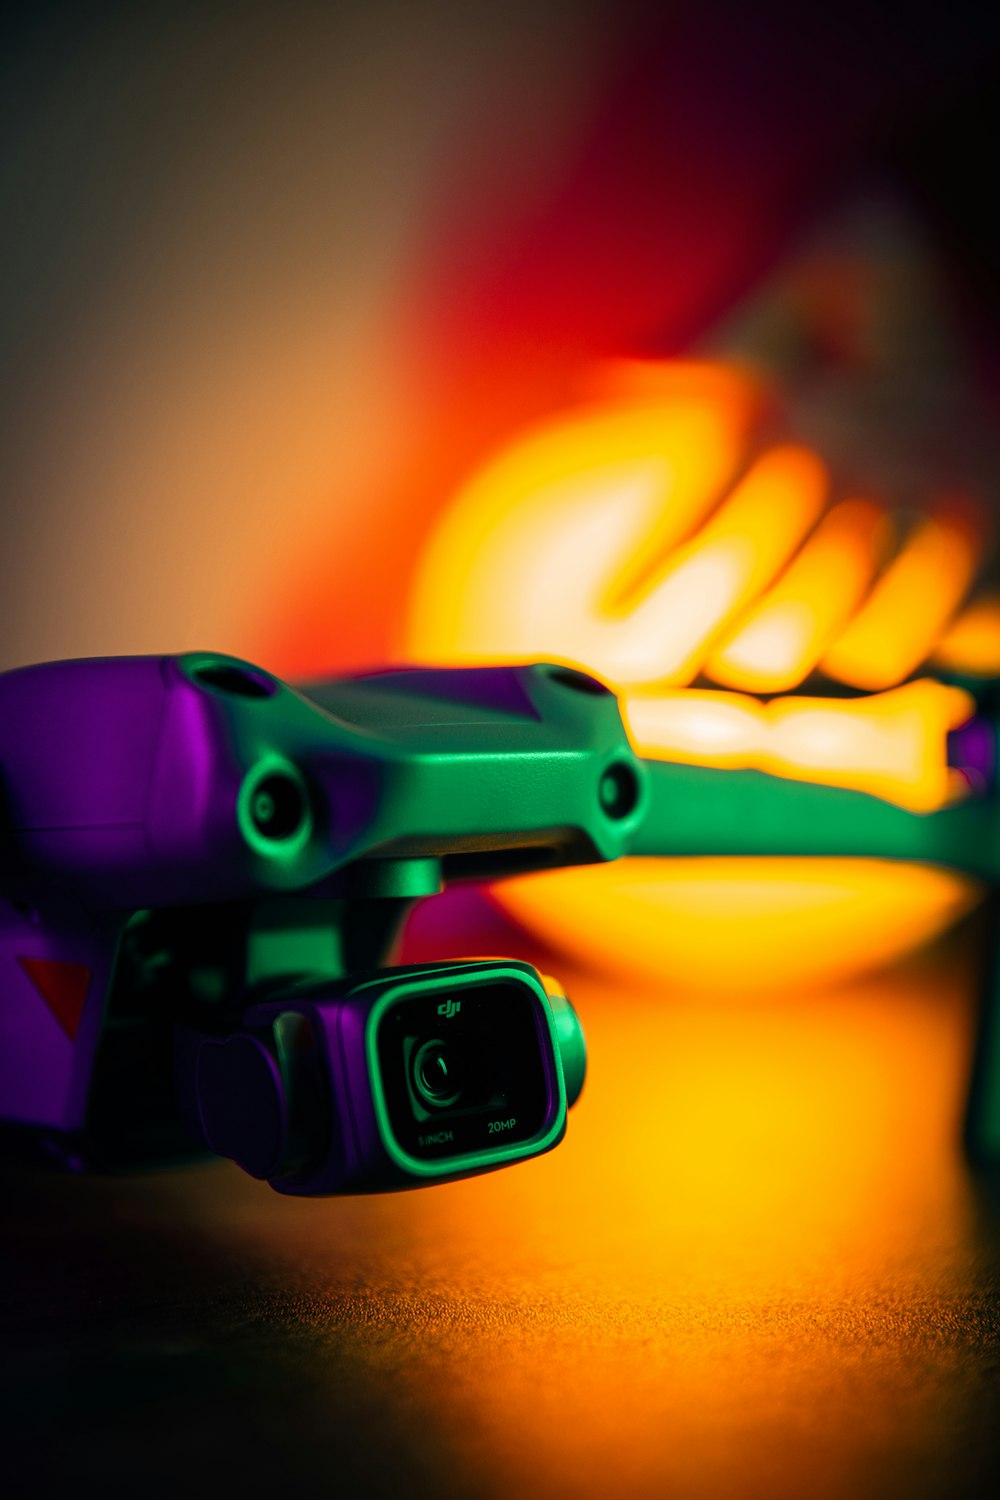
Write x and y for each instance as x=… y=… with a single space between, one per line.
x=465 y=1068
x=437 y=1073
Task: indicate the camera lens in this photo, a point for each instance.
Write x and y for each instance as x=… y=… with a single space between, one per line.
x=438 y=1073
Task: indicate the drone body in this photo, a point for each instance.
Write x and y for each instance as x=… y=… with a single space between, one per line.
x=204 y=871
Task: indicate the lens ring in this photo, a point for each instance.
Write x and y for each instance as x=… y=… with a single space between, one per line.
x=435 y=1075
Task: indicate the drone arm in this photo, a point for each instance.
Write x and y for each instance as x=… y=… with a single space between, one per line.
x=699 y=810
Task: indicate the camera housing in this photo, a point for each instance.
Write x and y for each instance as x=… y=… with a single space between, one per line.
x=409 y=1077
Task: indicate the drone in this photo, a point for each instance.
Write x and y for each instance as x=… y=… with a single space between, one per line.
x=204 y=872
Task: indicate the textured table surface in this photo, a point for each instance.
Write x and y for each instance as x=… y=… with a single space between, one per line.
x=756 y=1267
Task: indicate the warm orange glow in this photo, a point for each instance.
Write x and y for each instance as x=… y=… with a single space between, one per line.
x=630 y=538
x=567 y=565
x=757 y=1228
x=733 y=557
x=673 y=382
x=746 y=924
x=550 y=550
x=783 y=637
x=972 y=643
x=892 y=745
x=899 y=624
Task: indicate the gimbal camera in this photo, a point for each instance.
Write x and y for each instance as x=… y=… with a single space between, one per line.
x=203 y=872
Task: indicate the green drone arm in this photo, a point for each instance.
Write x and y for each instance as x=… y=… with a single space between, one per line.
x=701 y=810
x=697 y=810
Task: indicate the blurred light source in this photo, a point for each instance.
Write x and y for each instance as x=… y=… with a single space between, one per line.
x=634 y=537
x=972 y=644
x=782 y=638
x=556 y=548
x=745 y=925
x=737 y=553
x=899 y=623
x=892 y=745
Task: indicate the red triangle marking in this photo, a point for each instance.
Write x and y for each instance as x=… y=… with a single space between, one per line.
x=62 y=986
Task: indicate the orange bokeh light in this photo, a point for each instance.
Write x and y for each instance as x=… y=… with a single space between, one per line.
x=972 y=644
x=553 y=550
x=740 y=925
x=891 y=745
x=783 y=637
x=637 y=538
x=909 y=607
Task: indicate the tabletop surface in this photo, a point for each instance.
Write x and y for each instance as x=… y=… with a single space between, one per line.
x=757 y=1266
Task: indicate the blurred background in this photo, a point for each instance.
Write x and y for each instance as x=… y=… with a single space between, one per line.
x=339 y=334
x=280 y=277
